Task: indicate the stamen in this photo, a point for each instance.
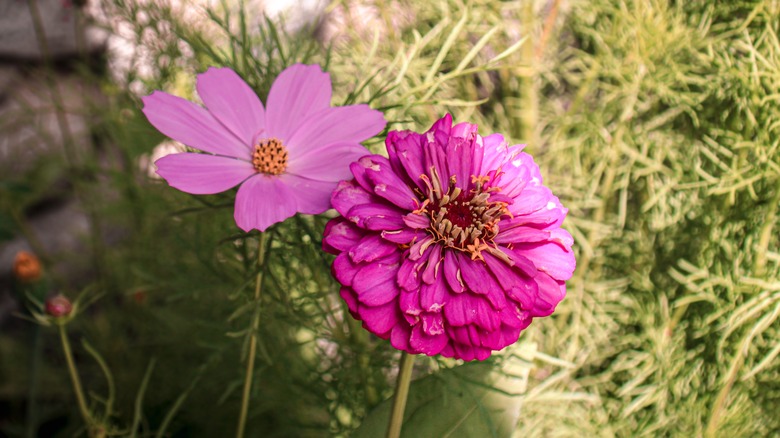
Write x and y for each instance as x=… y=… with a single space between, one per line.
x=466 y=222
x=270 y=157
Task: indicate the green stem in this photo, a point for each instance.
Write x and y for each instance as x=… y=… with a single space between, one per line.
x=32 y=391
x=250 y=363
x=401 y=393
x=74 y=377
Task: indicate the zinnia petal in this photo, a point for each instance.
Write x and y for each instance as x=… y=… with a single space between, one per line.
x=203 y=174
x=457 y=235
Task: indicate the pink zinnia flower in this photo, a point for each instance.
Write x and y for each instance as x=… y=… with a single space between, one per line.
x=287 y=157
x=452 y=245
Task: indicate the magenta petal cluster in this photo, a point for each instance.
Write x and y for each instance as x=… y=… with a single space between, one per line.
x=287 y=157
x=450 y=246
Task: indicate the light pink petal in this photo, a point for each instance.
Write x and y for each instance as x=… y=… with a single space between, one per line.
x=311 y=196
x=203 y=174
x=299 y=91
x=263 y=201
x=354 y=124
x=231 y=101
x=329 y=163
x=192 y=125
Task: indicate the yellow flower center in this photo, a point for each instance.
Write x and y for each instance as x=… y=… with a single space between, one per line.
x=270 y=156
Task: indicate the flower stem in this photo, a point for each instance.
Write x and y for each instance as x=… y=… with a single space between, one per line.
x=401 y=393
x=250 y=363
x=74 y=377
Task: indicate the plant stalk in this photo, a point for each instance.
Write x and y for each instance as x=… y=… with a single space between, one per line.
x=74 y=377
x=31 y=421
x=250 y=363
x=400 y=396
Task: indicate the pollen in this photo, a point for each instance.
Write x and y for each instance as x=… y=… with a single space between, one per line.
x=270 y=157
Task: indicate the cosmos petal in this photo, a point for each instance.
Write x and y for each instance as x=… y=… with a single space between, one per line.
x=354 y=124
x=298 y=92
x=231 y=101
x=311 y=196
x=263 y=201
x=330 y=163
x=203 y=174
x=192 y=125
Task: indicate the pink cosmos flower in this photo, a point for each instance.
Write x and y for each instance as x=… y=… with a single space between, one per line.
x=452 y=245
x=287 y=157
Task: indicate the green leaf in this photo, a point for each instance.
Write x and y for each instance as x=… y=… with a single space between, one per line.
x=471 y=400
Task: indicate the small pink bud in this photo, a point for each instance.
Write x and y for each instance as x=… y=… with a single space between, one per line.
x=58 y=306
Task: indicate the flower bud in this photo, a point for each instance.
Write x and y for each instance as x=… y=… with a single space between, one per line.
x=27 y=267
x=58 y=306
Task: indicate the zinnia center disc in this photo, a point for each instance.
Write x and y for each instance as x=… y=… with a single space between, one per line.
x=463 y=221
x=270 y=157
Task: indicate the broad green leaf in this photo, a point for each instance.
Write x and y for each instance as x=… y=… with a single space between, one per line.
x=471 y=400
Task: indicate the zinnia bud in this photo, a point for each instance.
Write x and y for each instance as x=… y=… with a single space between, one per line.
x=27 y=267
x=58 y=306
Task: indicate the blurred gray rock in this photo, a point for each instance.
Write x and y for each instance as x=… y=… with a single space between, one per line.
x=29 y=130
x=59 y=19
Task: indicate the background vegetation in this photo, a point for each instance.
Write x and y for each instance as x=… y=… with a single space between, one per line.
x=657 y=123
